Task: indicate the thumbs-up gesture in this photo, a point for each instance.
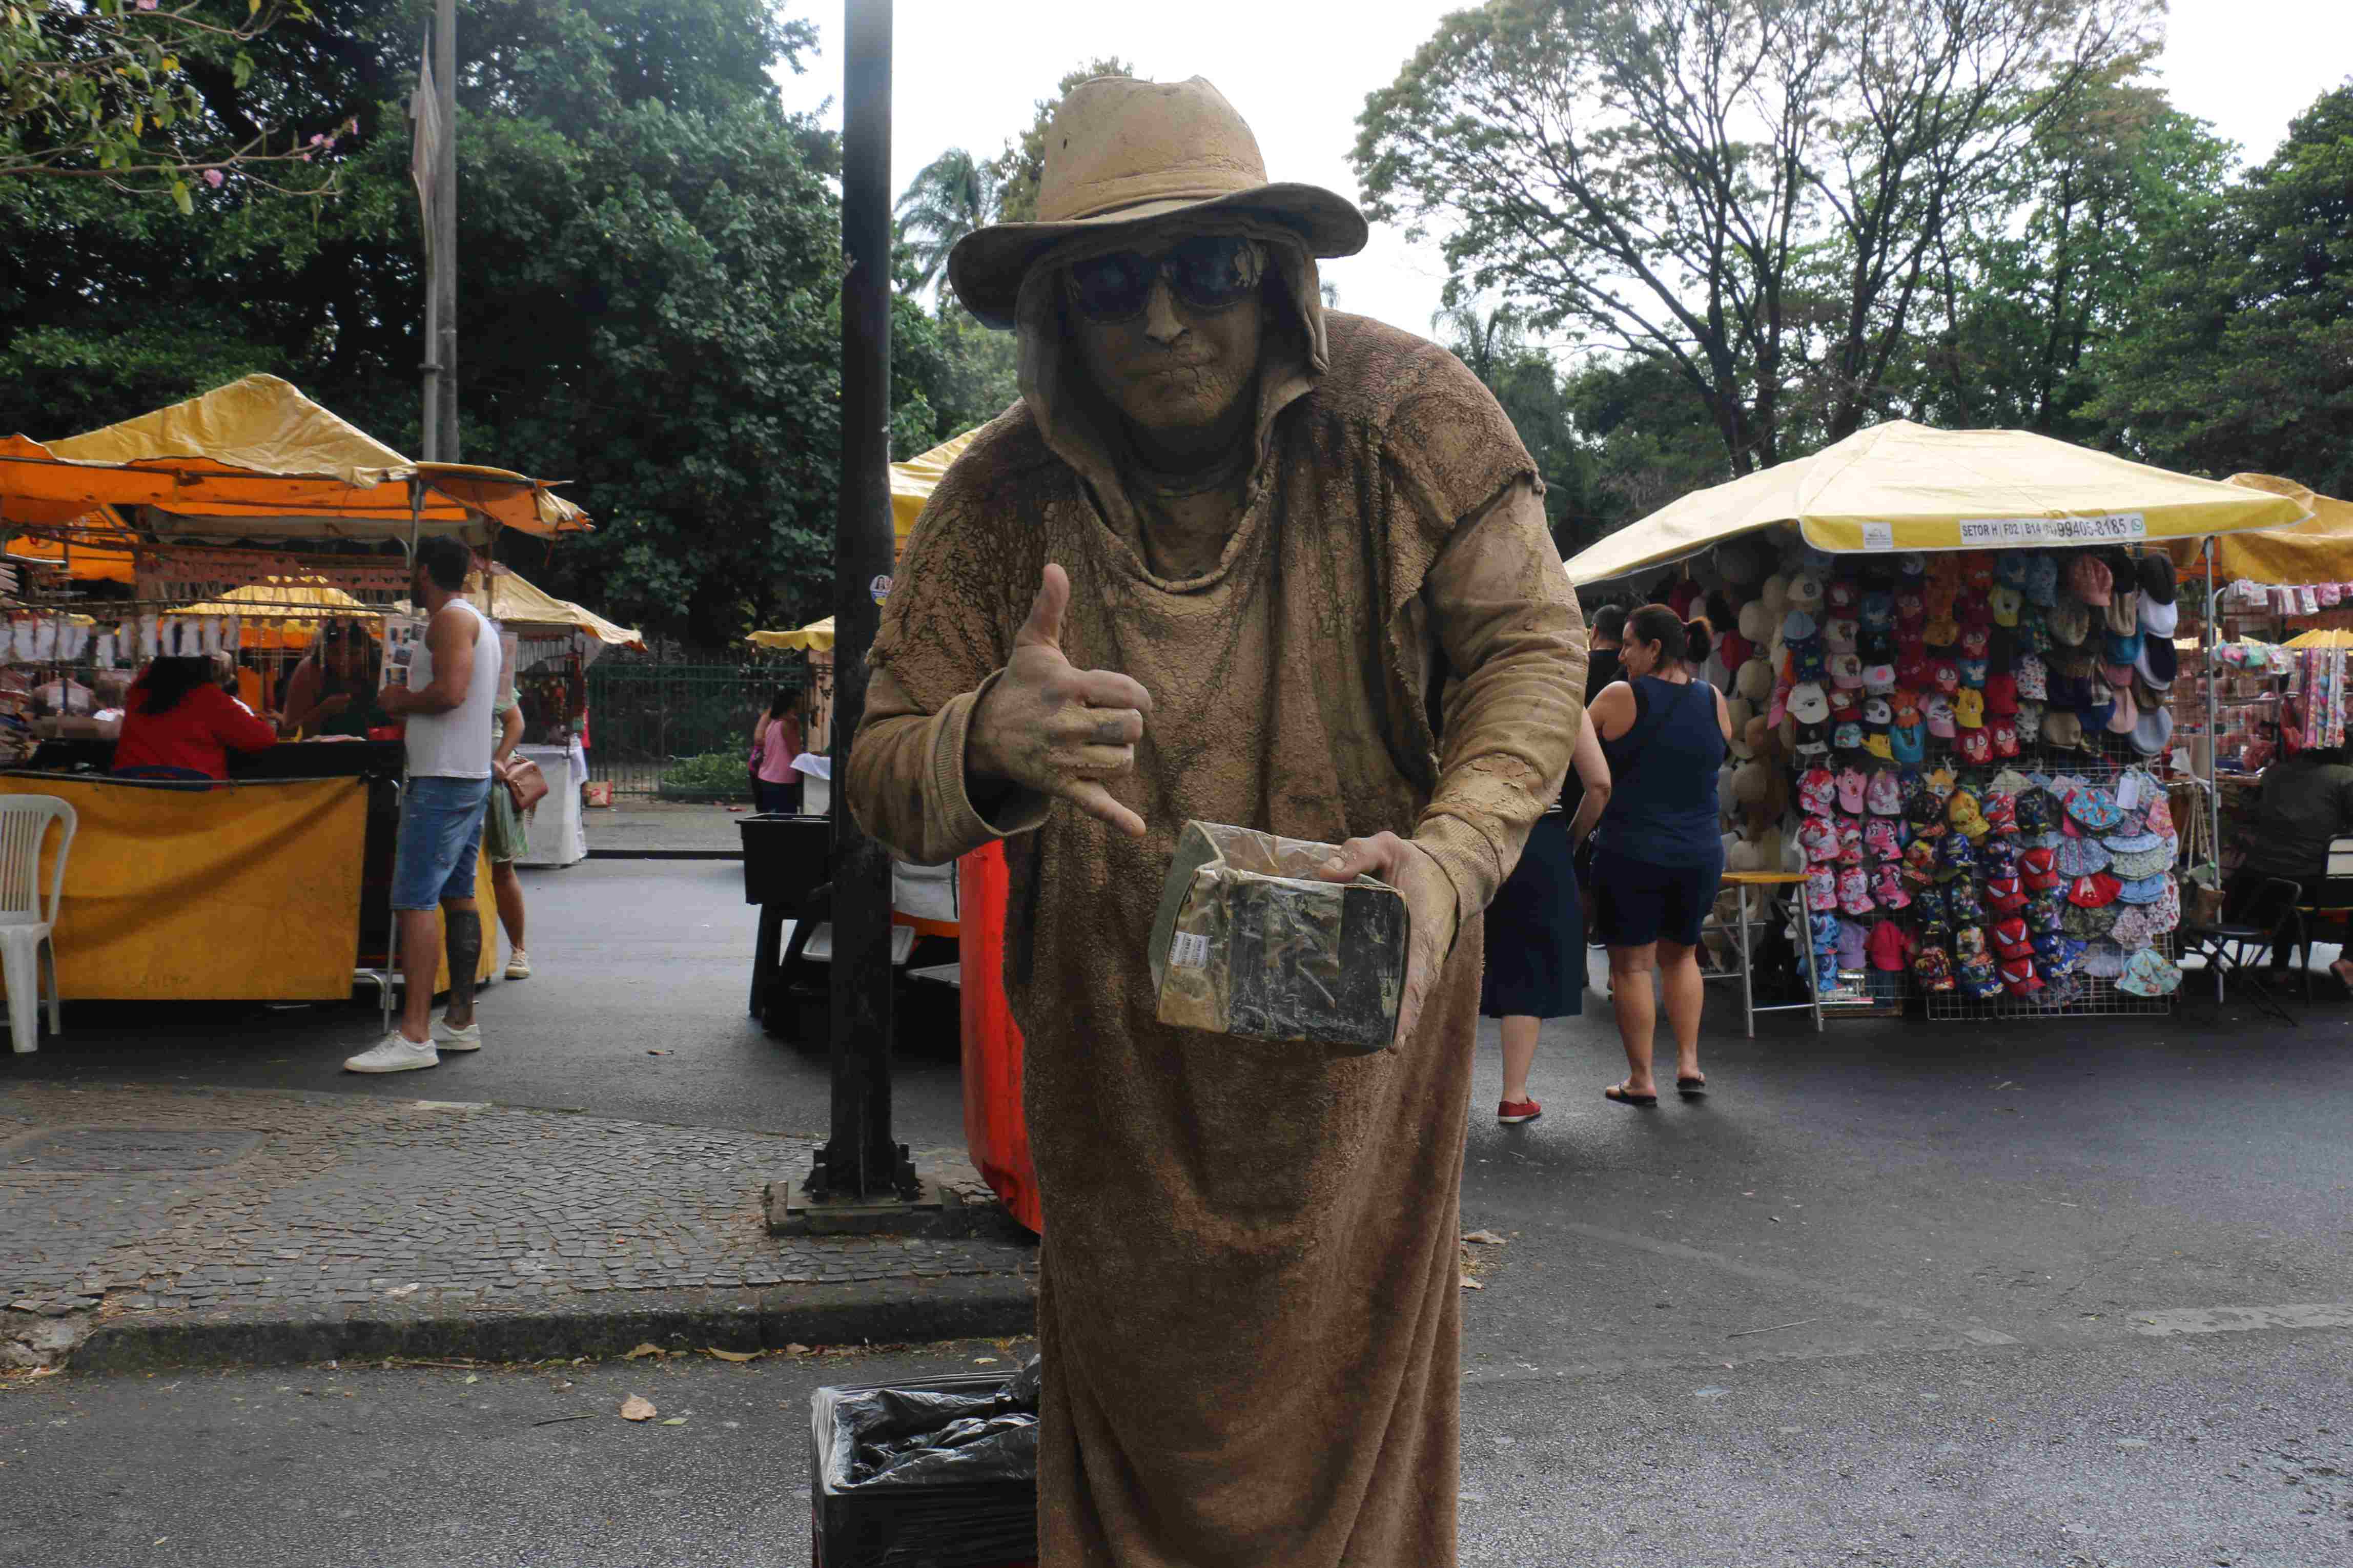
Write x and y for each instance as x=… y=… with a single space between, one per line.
x=1051 y=727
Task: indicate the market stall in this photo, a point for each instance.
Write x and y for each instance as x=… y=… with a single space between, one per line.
x=2265 y=677
x=1947 y=660
x=247 y=516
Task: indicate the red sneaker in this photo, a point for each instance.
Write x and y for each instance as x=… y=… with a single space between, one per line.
x=1511 y=1112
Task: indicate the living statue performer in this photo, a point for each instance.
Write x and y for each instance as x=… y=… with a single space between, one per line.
x=1233 y=557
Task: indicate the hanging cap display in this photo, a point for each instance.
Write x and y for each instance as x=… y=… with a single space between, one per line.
x=2157 y=664
x=2070 y=622
x=2062 y=727
x=1807 y=704
x=2153 y=732
x=1838 y=634
x=2158 y=619
x=1806 y=591
x=2156 y=577
x=2006 y=601
x=2089 y=578
x=1846 y=669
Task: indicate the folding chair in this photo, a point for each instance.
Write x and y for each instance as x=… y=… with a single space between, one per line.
x=2224 y=944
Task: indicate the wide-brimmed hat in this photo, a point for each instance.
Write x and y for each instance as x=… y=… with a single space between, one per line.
x=1126 y=152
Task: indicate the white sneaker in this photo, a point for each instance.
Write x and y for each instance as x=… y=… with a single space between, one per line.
x=519 y=965
x=450 y=1038
x=395 y=1053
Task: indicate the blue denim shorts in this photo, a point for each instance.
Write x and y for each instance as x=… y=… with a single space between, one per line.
x=441 y=831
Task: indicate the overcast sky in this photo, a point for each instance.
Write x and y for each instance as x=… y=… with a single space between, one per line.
x=969 y=76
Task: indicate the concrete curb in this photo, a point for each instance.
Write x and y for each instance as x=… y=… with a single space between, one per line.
x=596 y=1325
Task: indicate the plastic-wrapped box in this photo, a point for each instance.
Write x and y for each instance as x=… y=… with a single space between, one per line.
x=1251 y=941
x=983 y=1514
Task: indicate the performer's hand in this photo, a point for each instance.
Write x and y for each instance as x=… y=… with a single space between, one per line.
x=1428 y=906
x=1055 y=729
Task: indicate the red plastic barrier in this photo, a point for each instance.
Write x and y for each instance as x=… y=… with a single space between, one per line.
x=995 y=1134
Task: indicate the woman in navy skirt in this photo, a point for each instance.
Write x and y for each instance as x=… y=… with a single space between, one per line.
x=1536 y=929
x=1659 y=851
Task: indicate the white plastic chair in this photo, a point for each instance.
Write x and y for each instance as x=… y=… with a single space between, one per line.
x=24 y=925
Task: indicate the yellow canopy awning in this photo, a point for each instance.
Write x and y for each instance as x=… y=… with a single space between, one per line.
x=2318 y=550
x=912 y=484
x=510 y=598
x=283 y=599
x=258 y=460
x=1901 y=486
x=817 y=635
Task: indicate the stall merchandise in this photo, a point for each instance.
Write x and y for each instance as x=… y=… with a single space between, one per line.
x=1974 y=747
x=1951 y=647
x=207 y=498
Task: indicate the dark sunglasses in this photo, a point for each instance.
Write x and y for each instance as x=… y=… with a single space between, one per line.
x=1209 y=273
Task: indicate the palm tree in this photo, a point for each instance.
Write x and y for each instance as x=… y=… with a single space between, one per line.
x=955 y=194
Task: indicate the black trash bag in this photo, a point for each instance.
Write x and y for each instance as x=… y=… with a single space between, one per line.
x=1002 y=1447
x=911 y=1436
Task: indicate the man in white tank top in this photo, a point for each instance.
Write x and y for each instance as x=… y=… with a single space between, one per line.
x=451 y=687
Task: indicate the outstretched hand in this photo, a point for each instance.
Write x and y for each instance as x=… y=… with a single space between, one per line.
x=1051 y=727
x=1430 y=909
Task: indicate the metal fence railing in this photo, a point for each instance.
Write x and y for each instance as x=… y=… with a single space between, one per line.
x=647 y=715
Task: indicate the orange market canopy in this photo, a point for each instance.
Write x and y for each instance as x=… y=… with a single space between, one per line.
x=2318 y=550
x=1901 y=486
x=912 y=484
x=257 y=459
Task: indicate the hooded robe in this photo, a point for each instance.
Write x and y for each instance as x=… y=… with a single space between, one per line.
x=1249 y=1305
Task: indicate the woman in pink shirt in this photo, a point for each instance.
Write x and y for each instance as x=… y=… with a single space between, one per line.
x=777 y=740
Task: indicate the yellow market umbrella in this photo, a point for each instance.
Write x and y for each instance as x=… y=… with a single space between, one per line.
x=912 y=482
x=817 y=635
x=2321 y=637
x=1901 y=486
x=283 y=599
x=2318 y=550
x=511 y=599
x=258 y=460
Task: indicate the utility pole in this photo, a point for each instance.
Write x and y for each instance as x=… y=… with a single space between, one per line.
x=862 y=1165
x=441 y=432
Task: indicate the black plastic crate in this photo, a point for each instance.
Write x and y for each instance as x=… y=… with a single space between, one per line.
x=937 y=1524
x=785 y=858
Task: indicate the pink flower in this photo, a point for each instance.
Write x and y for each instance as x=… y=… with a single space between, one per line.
x=213 y=178
x=317 y=137
x=147 y=4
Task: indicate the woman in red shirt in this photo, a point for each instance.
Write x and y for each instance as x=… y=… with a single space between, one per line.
x=177 y=724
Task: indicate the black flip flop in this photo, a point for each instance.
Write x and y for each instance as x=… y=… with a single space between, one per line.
x=1692 y=1088
x=1617 y=1091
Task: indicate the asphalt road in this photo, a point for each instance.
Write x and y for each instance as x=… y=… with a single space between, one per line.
x=628 y=958
x=2070 y=1295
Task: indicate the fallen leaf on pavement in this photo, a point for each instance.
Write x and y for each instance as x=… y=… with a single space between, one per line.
x=730 y=1355
x=796 y=1350
x=1471 y=1284
x=643 y=1349
x=402 y=1290
x=637 y=1407
x=675 y=1421
x=1486 y=1238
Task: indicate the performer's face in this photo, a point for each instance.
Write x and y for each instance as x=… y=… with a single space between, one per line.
x=1170 y=332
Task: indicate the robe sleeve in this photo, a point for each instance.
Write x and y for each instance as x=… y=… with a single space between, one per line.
x=1503 y=610
x=947 y=630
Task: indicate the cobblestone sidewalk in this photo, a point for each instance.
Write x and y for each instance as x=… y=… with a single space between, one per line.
x=124 y=1207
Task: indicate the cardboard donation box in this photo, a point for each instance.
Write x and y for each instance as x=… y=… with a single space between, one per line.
x=1250 y=942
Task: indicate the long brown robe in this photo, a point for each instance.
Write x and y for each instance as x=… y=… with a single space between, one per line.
x=1249 y=1307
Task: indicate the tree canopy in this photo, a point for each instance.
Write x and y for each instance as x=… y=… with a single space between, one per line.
x=1752 y=192
x=649 y=260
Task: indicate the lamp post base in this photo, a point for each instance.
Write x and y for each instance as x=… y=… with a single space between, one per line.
x=794 y=1210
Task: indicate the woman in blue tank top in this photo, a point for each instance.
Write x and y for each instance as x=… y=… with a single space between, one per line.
x=1658 y=851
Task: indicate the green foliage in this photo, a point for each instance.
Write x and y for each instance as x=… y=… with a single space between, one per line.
x=2101 y=187
x=2238 y=350
x=952 y=196
x=120 y=91
x=1751 y=191
x=714 y=775
x=1023 y=162
x=649 y=252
